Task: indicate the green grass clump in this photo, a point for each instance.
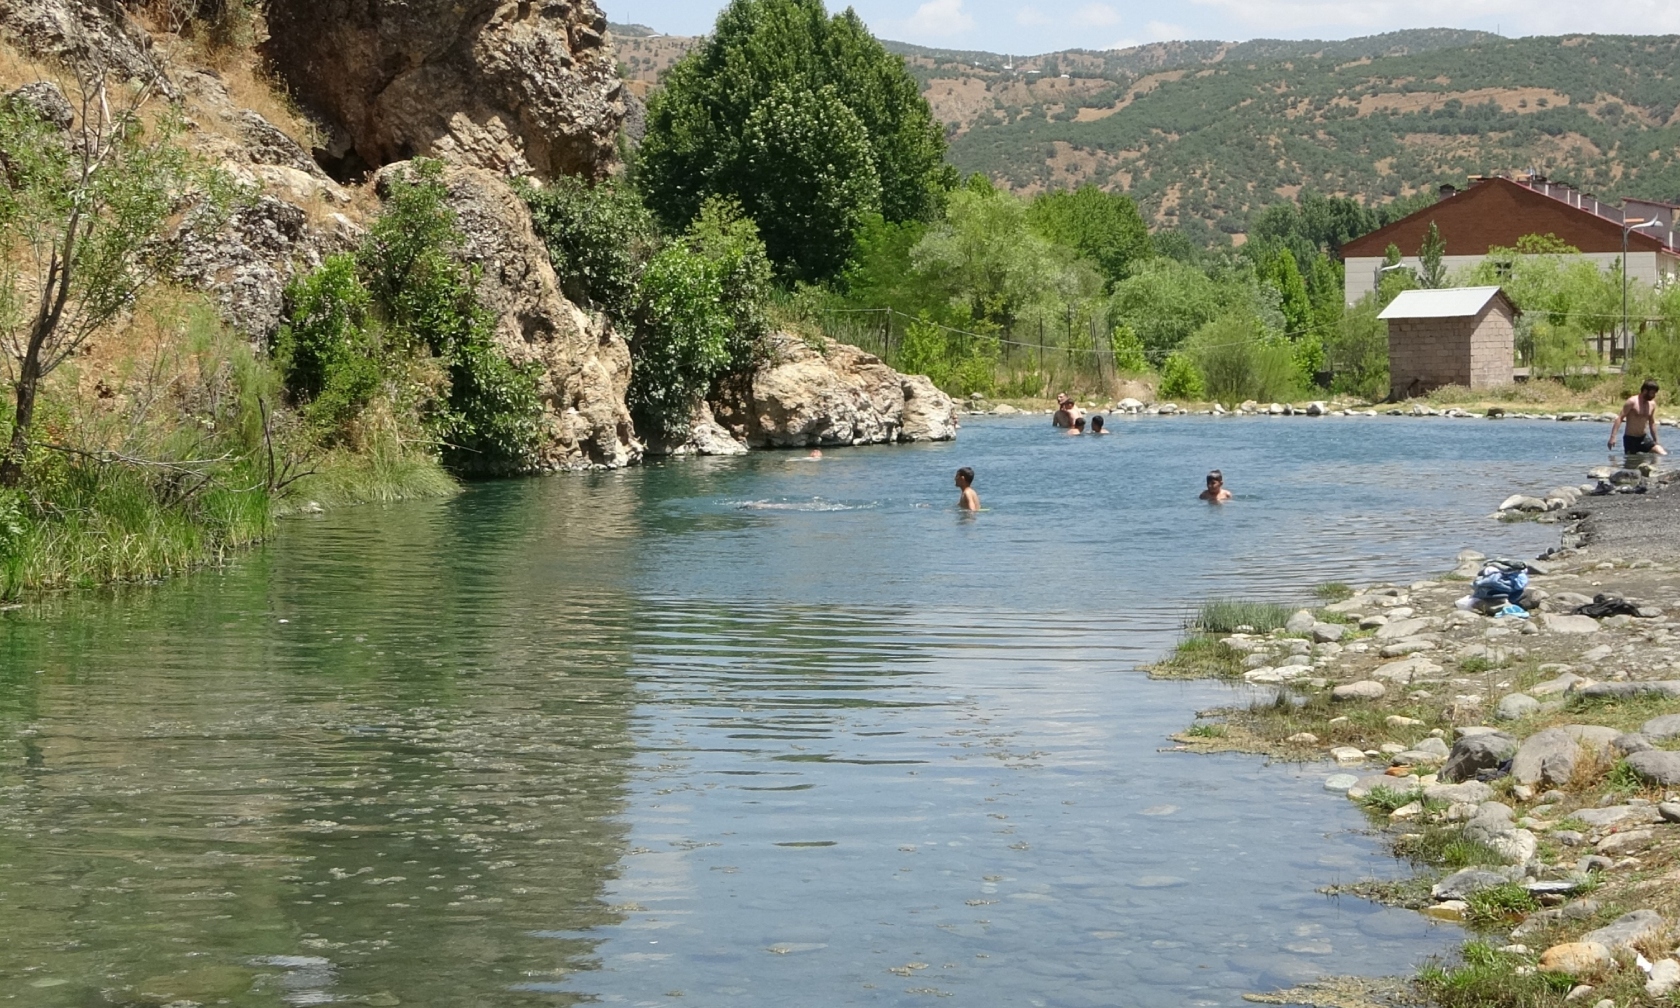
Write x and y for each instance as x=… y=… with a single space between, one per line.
x=1444 y=847
x=1333 y=591
x=1224 y=616
x=1200 y=657
x=1206 y=731
x=1623 y=778
x=1474 y=666
x=1386 y=800
x=1505 y=904
x=1487 y=978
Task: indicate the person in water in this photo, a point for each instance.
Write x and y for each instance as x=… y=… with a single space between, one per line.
x=1640 y=414
x=1097 y=425
x=1063 y=417
x=1078 y=427
x=1216 y=492
x=969 y=500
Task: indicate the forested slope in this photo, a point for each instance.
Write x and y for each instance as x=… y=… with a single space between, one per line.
x=1206 y=133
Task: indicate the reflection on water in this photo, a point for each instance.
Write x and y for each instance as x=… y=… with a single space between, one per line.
x=723 y=731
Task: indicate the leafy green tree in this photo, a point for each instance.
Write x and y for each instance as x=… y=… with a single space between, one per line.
x=357 y=324
x=1128 y=350
x=82 y=229
x=1326 y=291
x=808 y=178
x=1357 y=352
x=1104 y=228
x=1239 y=360
x=985 y=260
x=599 y=236
x=700 y=316
x=959 y=359
x=729 y=240
x=881 y=273
x=1180 y=379
x=1391 y=282
x=326 y=350
x=1165 y=302
x=706 y=136
x=1285 y=275
x=1432 y=272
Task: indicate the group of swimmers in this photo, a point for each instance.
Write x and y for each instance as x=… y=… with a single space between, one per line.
x=1071 y=418
x=1639 y=413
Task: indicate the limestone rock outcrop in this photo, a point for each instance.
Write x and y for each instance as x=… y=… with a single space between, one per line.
x=515 y=86
x=838 y=395
x=584 y=364
x=91 y=36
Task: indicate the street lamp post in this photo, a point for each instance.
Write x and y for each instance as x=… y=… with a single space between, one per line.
x=1628 y=227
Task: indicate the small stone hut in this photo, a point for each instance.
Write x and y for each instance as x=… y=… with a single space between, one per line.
x=1461 y=336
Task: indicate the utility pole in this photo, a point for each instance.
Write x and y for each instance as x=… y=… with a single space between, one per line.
x=1628 y=227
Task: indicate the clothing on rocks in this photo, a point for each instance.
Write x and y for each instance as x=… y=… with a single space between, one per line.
x=1604 y=605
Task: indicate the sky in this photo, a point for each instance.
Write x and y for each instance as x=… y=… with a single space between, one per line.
x=1033 y=26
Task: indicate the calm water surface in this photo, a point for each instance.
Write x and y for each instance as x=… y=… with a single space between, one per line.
x=733 y=732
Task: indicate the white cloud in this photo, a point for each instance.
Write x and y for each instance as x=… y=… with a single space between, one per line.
x=1031 y=17
x=940 y=18
x=1096 y=15
x=1163 y=31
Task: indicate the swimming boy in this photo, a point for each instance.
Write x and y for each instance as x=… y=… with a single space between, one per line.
x=1078 y=427
x=1097 y=425
x=1215 y=492
x=1640 y=413
x=969 y=501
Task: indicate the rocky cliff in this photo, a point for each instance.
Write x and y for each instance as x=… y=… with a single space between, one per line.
x=516 y=86
x=584 y=364
x=491 y=88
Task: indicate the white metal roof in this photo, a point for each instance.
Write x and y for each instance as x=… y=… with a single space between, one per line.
x=1455 y=302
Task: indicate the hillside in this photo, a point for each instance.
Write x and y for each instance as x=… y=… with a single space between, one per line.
x=1205 y=133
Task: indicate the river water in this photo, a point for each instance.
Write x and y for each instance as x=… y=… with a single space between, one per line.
x=745 y=732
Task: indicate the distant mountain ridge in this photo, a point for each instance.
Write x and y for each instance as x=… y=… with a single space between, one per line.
x=1166 y=55
x=1204 y=133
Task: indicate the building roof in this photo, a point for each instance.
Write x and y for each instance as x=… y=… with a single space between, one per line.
x=1497 y=211
x=1454 y=302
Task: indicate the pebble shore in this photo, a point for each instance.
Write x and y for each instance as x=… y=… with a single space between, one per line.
x=1530 y=768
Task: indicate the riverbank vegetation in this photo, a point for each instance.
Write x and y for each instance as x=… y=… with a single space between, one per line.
x=146 y=437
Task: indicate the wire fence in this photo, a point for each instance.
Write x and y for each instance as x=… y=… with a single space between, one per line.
x=1042 y=356
x=1032 y=360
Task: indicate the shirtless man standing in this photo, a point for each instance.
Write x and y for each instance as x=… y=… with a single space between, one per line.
x=1640 y=413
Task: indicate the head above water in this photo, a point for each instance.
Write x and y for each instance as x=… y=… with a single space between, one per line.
x=1079 y=424
x=965 y=477
x=1097 y=423
x=1215 y=478
x=1649 y=389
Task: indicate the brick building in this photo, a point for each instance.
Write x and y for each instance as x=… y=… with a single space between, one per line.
x=1458 y=336
x=1495 y=212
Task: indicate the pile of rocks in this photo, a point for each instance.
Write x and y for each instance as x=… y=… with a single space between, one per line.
x=1601 y=480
